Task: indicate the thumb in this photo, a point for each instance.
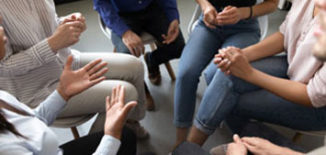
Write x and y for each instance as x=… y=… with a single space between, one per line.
x=69 y=62
x=128 y=107
x=236 y=138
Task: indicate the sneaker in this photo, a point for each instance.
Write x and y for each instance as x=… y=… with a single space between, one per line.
x=219 y=150
x=154 y=73
x=150 y=105
x=139 y=130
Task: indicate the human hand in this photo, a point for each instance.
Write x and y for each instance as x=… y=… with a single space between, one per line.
x=133 y=43
x=173 y=32
x=234 y=62
x=3 y=40
x=75 y=82
x=210 y=15
x=263 y=147
x=237 y=147
x=75 y=17
x=232 y=15
x=116 y=112
x=65 y=35
x=321 y=4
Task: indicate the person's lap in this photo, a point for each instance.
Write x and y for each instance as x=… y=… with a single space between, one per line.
x=88 y=144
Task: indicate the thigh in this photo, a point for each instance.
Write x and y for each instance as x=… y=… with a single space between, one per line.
x=200 y=49
x=92 y=100
x=264 y=106
x=121 y=66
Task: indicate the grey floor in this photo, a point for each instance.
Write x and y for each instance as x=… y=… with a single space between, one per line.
x=159 y=123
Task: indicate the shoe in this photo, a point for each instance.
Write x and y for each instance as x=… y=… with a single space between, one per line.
x=219 y=150
x=150 y=105
x=154 y=73
x=139 y=130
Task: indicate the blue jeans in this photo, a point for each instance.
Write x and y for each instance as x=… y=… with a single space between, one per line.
x=228 y=96
x=198 y=53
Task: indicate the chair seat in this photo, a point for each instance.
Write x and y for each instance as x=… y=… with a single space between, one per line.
x=147 y=38
x=71 y=121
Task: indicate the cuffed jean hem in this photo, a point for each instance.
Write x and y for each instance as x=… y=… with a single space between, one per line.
x=180 y=124
x=204 y=128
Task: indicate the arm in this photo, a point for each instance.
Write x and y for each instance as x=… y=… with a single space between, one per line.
x=170 y=8
x=110 y=16
x=21 y=62
x=272 y=45
x=266 y=7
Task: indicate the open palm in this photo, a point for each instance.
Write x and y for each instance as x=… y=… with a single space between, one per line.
x=75 y=82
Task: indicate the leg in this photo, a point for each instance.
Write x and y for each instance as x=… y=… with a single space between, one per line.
x=197 y=54
x=221 y=96
x=88 y=144
x=157 y=24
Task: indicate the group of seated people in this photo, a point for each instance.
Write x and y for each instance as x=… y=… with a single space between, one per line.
x=43 y=81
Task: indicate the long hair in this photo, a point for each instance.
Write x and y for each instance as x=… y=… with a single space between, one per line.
x=7 y=126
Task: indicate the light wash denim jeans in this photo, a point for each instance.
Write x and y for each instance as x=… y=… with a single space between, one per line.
x=199 y=51
x=228 y=96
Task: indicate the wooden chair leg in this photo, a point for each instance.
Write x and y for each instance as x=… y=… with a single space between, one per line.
x=296 y=137
x=170 y=71
x=75 y=132
x=114 y=50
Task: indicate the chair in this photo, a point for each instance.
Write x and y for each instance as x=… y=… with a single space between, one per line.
x=147 y=40
x=72 y=123
x=263 y=22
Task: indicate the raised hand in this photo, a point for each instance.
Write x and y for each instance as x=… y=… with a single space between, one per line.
x=173 y=32
x=133 y=43
x=75 y=82
x=116 y=112
x=229 y=15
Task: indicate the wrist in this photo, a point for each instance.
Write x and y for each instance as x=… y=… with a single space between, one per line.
x=53 y=44
x=62 y=93
x=116 y=135
x=126 y=33
x=245 y=12
x=251 y=75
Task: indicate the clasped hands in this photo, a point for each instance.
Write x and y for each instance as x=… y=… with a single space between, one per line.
x=229 y=15
x=231 y=60
x=68 y=31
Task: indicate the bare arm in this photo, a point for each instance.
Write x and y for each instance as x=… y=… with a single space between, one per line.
x=272 y=45
x=265 y=7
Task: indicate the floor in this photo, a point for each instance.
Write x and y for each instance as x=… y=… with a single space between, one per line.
x=159 y=123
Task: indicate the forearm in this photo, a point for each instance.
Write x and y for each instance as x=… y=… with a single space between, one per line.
x=264 y=8
x=270 y=46
x=293 y=91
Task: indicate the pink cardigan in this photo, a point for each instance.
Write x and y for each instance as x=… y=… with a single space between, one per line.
x=298 y=29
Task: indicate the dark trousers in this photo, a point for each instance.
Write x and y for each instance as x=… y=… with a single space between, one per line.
x=87 y=145
x=153 y=21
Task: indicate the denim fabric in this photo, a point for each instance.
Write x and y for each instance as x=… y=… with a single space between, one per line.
x=251 y=102
x=200 y=49
x=153 y=21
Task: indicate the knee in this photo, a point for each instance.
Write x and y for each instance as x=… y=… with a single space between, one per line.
x=187 y=73
x=133 y=65
x=131 y=92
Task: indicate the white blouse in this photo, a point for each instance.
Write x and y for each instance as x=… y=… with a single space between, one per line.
x=40 y=139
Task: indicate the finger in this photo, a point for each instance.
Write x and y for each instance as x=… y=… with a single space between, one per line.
x=174 y=36
x=228 y=11
x=92 y=64
x=108 y=103
x=217 y=60
x=97 y=67
x=251 y=148
x=131 y=49
x=96 y=81
x=68 y=63
x=210 y=25
x=117 y=93
x=251 y=141
x=113 y=94
x=122 y=95
x=128 y=107
x=236 y=138
x=98 y=74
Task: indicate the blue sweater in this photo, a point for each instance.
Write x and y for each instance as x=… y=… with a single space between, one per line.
x=109 y=9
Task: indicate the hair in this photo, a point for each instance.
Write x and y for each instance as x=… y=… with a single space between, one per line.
x=7 y=126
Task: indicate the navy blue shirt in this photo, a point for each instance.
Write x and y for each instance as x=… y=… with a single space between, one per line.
x=109 y=9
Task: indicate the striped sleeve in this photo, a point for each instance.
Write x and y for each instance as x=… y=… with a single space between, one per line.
x=21 y=62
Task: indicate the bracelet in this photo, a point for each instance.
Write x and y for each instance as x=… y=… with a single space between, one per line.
x=250 y=15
